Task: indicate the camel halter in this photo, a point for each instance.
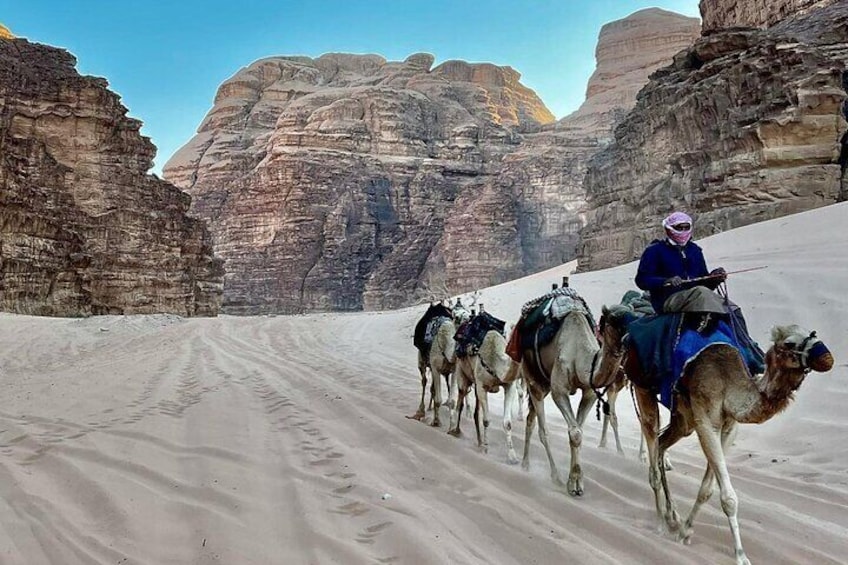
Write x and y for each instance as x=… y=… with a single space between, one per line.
x=802 y=352
x=599 y=395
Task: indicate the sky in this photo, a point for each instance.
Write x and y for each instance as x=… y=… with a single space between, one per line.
x=167 y=58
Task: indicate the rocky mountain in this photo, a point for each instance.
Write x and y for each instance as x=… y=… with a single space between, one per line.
x=83 y=228
x=348 y=181
x=724 y=14
x=744 y=126
x=628 y=51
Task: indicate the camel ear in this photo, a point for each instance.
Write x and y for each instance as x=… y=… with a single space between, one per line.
x=604 y=310
x=779 y=333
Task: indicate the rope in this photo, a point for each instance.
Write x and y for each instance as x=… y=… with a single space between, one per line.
x=599 y=395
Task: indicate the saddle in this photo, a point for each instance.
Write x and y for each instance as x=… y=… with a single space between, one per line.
x=469 y=336
x=419 y=338
x=541 y=319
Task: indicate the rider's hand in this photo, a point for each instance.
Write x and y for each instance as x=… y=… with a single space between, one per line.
x=673 y=282
x=719 y=274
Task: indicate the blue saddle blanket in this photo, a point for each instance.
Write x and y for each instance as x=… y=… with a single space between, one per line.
x=665 y=348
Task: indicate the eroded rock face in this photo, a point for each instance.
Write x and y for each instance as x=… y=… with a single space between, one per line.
x=723 y=14
x=348 y=182
x=83 y=228
x=328 y=183
x=744 y=126
x=628 y=51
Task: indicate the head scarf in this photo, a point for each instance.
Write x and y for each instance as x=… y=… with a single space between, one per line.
x=681 y=237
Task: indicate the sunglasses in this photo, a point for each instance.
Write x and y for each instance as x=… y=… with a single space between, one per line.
x=681 y=227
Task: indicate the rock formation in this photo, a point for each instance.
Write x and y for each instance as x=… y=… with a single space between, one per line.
x=5 y=33
x=723 y=14
x=83 y=228
x=628 y=51
x=348 y=182
x=746 y=125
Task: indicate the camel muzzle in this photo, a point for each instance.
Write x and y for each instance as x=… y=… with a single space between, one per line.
x=820 y=358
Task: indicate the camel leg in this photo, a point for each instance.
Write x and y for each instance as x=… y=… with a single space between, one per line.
x=521 y=394
x=529 y=426
x=437 y=396
x=422 y=370
x=538 y=400
x=708 y=435
x=482 y=406
x=707 y=483
x=509 y=401
x=675 y=431
x=643 y=455
x=649 y=418
x=575 y=435
x=462 y=383
x=611 y=419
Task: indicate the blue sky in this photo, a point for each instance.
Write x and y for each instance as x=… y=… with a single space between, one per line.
x=166 y=59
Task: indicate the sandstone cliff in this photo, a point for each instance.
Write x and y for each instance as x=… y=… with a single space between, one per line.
x=5 y=33
x=348 y=182
x=628 y=51
x=742 y=127
x=83 y=228
x=722 y=14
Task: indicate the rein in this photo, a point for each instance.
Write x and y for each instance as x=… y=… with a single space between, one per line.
x=599 y=395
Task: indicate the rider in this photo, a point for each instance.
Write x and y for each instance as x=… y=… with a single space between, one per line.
x=668 y=266
x=667 y=269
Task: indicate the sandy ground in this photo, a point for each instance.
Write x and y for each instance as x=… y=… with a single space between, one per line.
x=160 y=440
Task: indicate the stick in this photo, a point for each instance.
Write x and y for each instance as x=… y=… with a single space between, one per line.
x=717 y=276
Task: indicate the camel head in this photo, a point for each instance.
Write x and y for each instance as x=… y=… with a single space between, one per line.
x=611 y=331
x=795 y=348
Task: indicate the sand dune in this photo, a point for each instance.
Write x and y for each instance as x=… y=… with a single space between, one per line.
x=159 y=440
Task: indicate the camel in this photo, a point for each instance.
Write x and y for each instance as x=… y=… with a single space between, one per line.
x=563 y=367
x=487 y=371
x=716 y=394
x=440 y=359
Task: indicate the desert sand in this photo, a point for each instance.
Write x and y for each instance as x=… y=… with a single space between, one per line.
x=162 y=440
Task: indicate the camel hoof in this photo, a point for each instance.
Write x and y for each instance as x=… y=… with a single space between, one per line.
x=668 y=465
x=685 y=536
x=436 y=424
x=455 y=433
x=575 y=488
x=511 y=460
x=621 y=452
x=417 y=416
x=525 y=465
x=741 y=558
x=673 y=522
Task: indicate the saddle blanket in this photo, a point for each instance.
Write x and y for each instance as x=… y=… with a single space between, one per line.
x=665 y=347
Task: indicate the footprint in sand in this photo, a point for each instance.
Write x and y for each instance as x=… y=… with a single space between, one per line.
x=351 y=509
x=344 y=489
x=367 y=535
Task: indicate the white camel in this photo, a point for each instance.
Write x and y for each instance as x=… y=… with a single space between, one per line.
x=487 y=371
x=561 y=368
x=440 y=360
x=715 y=394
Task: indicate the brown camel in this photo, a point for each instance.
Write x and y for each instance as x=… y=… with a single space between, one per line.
x=715 y=394
x=611 y=420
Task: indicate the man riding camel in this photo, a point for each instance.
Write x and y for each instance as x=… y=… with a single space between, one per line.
x=674 y=272
x=668 y=266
